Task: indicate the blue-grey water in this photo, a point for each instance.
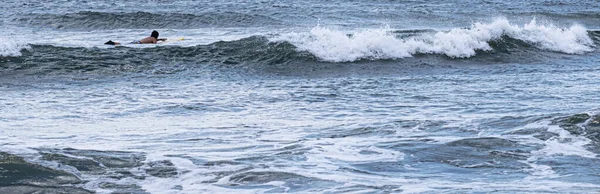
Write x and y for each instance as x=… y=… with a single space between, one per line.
x=300 y=96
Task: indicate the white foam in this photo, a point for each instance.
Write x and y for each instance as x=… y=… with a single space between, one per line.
x=565 y=144
x=539 y=171
x=337 y=46
x=96 y=38
x=9 y=47
x=353 y=150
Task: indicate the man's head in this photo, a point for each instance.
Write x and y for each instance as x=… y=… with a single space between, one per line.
x=154 y=34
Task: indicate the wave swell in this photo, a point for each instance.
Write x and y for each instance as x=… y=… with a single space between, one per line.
x=89 y=20
x=337 y=46
x=47 y=59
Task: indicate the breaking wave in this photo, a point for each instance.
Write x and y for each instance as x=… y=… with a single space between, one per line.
x=498 y=41
x=337 y=46
x=11 y=48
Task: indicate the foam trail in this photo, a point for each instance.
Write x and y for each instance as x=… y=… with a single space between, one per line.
x=11 y=48
x=336 y=46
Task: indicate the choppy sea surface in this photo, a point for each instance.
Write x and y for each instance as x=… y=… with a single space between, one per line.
x=300 y=96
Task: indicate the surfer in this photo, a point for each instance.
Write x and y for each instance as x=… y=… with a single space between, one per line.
x=152 y=39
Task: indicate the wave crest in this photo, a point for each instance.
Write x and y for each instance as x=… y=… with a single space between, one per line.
x=336 y=46
x=11 y=47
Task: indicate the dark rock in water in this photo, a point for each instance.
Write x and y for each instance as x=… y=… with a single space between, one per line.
x=42 y=190
x=592 y=129
x=19 y=176
x=573 y=129
x=114 y=165
x=570 y=123
x=16 y=171
x=595 y=122
x=484 y=142
x=162 y=169
x=110 y=159
x=575 y=119
x=81 y=164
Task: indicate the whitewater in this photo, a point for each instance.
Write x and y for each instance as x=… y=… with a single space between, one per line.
x=336 y=46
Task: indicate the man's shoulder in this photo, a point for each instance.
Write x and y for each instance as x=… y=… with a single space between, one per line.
x=148 y=40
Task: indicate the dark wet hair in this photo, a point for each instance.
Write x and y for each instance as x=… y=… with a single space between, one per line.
x=110 y=42
x=154 y=34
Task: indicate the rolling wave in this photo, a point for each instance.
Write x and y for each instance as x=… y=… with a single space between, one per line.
x=496 y=41
x=89 y=20
x=48 y=59
x=336 y=46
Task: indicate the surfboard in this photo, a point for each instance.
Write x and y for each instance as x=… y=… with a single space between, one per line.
x=173 y=40
x=169 y=40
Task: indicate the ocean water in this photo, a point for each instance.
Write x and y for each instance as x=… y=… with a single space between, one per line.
x=300 y=96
